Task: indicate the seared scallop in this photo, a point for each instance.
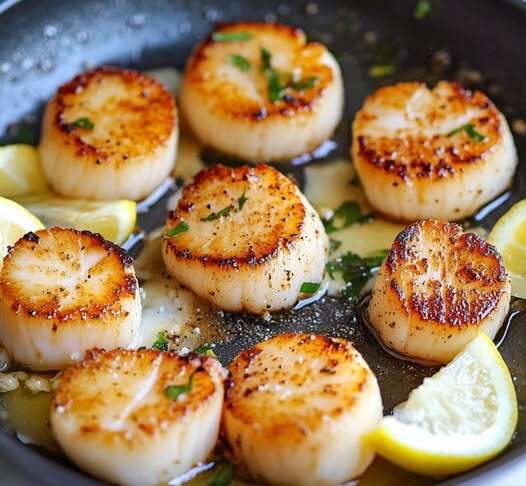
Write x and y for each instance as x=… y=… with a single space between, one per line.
x=245 y=239
x=63 y=292
x=260 y=92
x=439 y=153
x=297 y=408
x=109 y=133
x=438 y=288
x=138 y=418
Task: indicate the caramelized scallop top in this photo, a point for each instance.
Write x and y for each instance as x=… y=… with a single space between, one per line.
x=445 y=275
x=131 y=114
x=236 y=216
x=64 y=274
x=120 y=394
x=244 y=95
x=293 y=384
x=411 y=132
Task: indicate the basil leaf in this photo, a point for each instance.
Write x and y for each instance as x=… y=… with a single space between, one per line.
x=240 y=62
x=305 y=83
x=242 y=200
x=309 y=287
x=333 y=245
x=161 y=343
x=471 y=132
x=355 y=271
x=231 y=36
x=173 y=392
x=348 y=213
x=180 y=228
x=223 y=475
x=422 y=9
x=82 y=122
x=219 y=214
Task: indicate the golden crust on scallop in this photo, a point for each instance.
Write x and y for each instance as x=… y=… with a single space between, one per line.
x=470 y=277
x=251 y=391
x=271 y=219
x=32 y=284
x=145 y=118
x=422 y=155
x=90 y=392
x=230 y=99
x=438 y=288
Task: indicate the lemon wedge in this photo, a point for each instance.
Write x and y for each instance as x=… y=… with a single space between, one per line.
x=509 y=237
x=20 y=171
x=114 y=220
x=462 y=416
x=15 y=222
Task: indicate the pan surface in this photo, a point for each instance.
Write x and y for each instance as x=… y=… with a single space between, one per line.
x=45 y=42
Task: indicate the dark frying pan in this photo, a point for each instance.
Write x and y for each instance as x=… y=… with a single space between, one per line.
x=45 y=42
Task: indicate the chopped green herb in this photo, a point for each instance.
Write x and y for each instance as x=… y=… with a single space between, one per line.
x=24 y=134
x=223 y=475
x=242 y=200
x=161 y=343
x=266 y=59
x=348 y=213
x=205 y=350
x=422 y=9
x=275 y=88
x=179 y=181
x=470 y=131
x=240 y=62
x=381 y=70
x=82 y=122
x=173 y=392
x=305 y=83
x=355 y=271
x=333 y=245
x=219 y=214
x=231 y=36
x=180 y=228
x=309 y=287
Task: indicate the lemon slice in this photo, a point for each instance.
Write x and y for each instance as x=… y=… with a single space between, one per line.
x=462 y=416
x=15 y=222
x=509 y=236
x=114 y=220
x=20 y=171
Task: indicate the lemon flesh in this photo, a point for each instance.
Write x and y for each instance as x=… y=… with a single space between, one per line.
x=509 y=237
x=459 y=418
x=15 y=222
x=20 y=171
x=114 y=220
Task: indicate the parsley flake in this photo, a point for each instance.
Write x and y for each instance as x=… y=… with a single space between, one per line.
x=242 y=200
x=161 y=342
x=205 y=350
x=223 y=475
x=173 y=392
x=231 y=36
x=83 y=122
x=355 y=271
x=309 y=287
x=24 y=134
x=240 y=62
x=180 y=228
x=381 y=70
x=275 y=88
x=348 y=213
x=219 y=214
x=471 y=132
x=305 y=83
x=422 y=9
